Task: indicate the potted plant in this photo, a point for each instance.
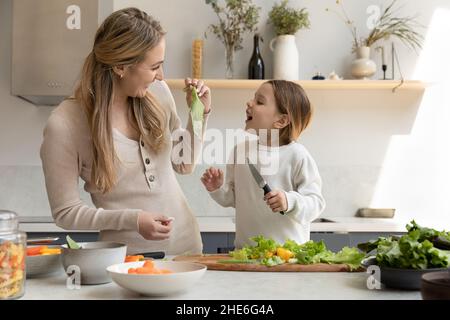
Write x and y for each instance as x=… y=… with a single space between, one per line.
x=388 y=25
x=235 y=19
x=286 y=22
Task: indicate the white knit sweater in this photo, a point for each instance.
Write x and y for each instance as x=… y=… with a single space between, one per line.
x=297 y=175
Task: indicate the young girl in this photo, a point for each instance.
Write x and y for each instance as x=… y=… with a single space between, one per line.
x=296 y=184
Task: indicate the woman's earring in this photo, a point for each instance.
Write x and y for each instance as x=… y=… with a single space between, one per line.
x=121 y=76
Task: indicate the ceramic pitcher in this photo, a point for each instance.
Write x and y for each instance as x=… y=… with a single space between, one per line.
x=285 y=64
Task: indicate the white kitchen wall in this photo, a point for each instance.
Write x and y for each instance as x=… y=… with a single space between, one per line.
x=360 y=140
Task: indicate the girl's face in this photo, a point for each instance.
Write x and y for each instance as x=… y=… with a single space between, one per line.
x=137 y=78
x=262 y=112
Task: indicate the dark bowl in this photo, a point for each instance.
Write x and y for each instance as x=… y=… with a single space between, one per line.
x=436 y=285
x=406 y=279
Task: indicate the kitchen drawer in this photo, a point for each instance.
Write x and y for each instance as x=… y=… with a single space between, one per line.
x=77 y=236
x=215 y=242
x=333 y=241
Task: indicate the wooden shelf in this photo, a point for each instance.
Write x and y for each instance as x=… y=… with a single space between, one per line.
x=310 y=84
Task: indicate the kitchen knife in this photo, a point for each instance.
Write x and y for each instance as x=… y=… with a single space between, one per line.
x=260 y=180
x=42 y=241
x=154 y=255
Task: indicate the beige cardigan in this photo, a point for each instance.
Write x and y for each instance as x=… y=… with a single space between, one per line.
x=145 y=180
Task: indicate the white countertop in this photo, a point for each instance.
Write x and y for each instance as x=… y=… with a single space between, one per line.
x=233 y=285
x=226 y=224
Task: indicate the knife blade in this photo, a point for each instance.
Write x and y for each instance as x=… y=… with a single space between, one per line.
x=42 y=241
x=260 y=180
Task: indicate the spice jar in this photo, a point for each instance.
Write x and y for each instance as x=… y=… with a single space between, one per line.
x=197 y=58
x=12 y=256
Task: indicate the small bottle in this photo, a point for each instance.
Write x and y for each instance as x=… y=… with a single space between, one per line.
x=197 y=58
x=318 y=76
x=12 y=253
x=256 y=64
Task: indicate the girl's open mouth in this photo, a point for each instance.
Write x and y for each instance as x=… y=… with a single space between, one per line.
x=249 y=118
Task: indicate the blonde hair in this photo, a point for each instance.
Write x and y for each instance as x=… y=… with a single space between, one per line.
x=122 y=39
x=291 y=99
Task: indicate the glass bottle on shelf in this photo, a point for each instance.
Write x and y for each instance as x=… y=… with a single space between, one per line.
x=12 y=256
x=256 y=64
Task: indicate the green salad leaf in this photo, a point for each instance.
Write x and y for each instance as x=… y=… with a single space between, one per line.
x=414 y=250
x=72 y=244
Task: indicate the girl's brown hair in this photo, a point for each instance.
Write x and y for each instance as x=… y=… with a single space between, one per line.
x=122 y=40
x=291 y=100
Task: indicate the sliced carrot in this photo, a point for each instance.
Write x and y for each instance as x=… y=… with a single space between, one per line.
x=149 y=264
x=132 y=271
x=134 y=258
x=145 y=270
x=34 y=251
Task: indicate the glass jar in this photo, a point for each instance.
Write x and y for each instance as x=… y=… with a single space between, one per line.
x=197 y=58
x=12 y=256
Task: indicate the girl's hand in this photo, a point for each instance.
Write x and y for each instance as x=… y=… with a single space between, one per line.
x=212 y=179
x=154 y=226
x=204 y=93
x=276 y=200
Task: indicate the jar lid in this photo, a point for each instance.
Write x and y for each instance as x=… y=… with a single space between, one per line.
x=9 y=221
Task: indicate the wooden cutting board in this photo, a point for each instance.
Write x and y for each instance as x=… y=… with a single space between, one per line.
x=212 y=262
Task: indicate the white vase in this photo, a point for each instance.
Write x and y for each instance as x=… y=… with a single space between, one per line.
x=363 y=67
x=285 y=61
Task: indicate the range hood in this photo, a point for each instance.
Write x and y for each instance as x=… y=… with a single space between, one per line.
x=50 y=40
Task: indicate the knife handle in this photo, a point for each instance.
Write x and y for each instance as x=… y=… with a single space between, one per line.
x=267 y=189
x=154 y=255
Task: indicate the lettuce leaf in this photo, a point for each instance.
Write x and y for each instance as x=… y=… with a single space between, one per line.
x=197 y=111
x=414 y=250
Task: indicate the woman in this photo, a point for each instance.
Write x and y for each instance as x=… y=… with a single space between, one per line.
x=115 y=134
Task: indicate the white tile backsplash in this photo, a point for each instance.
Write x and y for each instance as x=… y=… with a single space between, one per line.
x=22 y=189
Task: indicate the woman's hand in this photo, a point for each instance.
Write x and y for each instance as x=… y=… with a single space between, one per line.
x=276 y=200
x=204 y=93
x=212 y=179
x=153 y=226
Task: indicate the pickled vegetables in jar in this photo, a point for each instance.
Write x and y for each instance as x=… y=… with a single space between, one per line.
x=12 y=270
x=12 y=256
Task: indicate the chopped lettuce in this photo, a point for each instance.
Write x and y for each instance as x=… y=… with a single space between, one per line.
x=270 y=253
x=272 y=261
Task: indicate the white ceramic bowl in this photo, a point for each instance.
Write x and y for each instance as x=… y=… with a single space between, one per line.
x=93 y=259
x=43 y=265
x=184 y=276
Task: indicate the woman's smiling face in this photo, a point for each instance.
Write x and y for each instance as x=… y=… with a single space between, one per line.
x=137 y=78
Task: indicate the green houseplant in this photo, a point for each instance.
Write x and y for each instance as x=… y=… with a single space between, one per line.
x=236 y=17
x=286 y=22
x=388 y=25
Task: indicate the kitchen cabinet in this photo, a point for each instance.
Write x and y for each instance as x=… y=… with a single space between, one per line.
x=333 y=241
x=223 y=242
x=77 y=236
x=359 y=237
